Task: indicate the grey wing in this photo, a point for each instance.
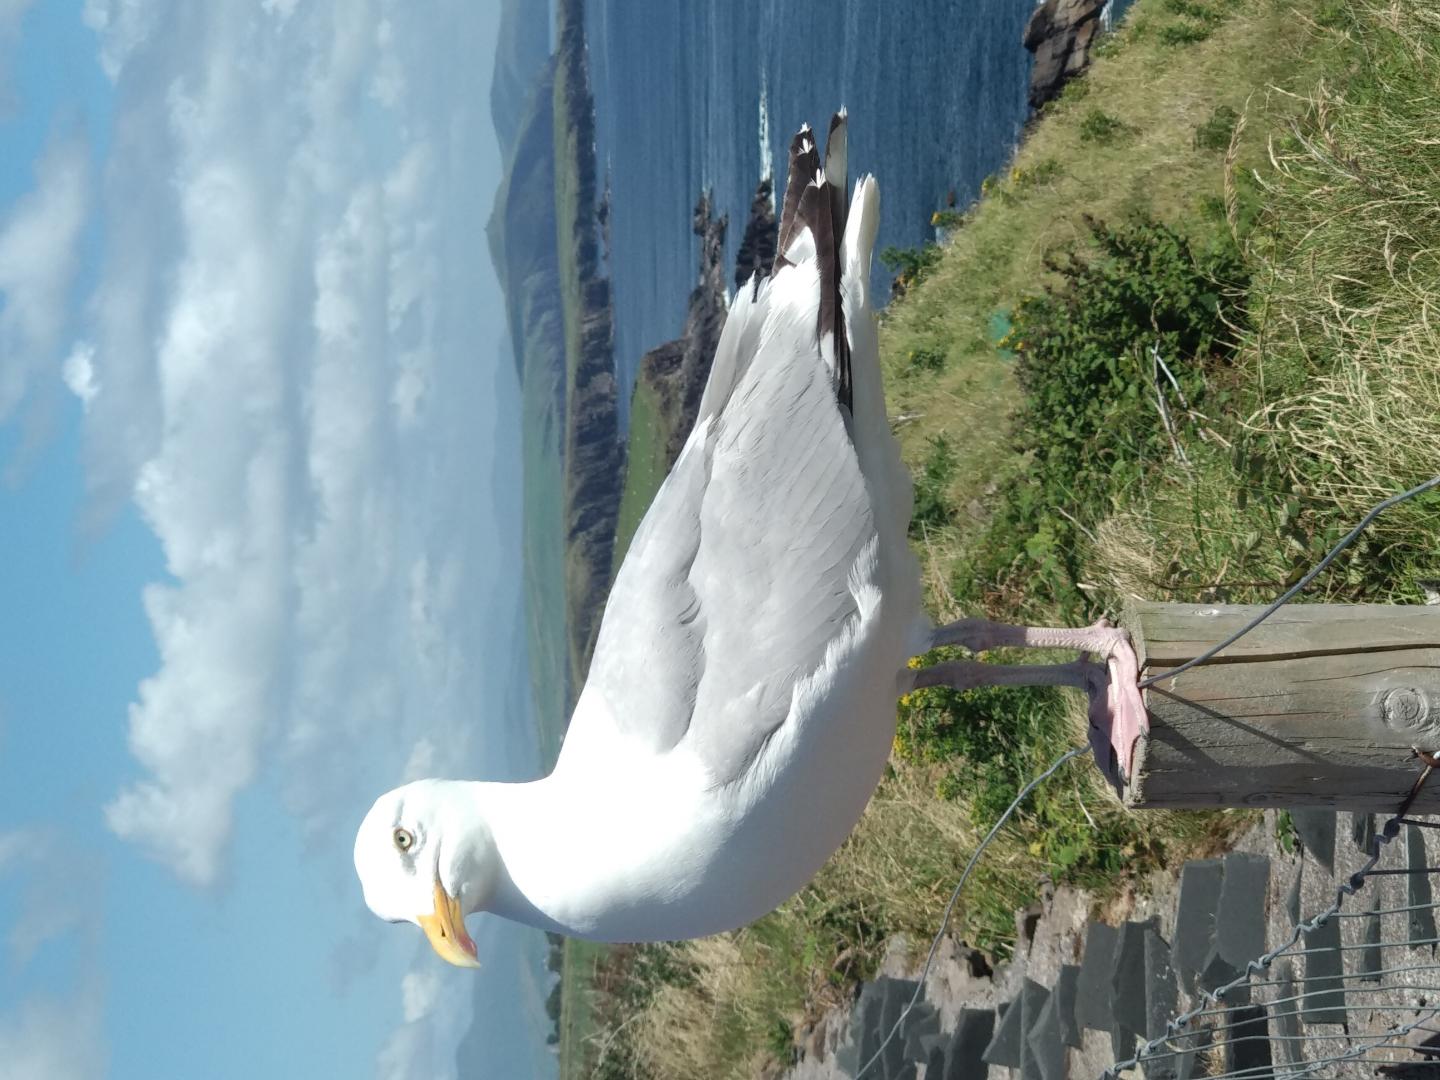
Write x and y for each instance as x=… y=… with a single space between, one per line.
x=739 y=577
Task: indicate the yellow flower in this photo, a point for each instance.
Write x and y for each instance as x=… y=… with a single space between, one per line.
x=1035 y=847
x=913 y=663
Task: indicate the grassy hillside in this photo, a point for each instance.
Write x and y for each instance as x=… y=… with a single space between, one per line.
x=1166 y=355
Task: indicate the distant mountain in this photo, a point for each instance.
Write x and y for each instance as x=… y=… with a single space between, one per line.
x=521 y=50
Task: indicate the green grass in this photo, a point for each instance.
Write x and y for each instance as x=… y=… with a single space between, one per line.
x=577 y=1022
x=645 y=464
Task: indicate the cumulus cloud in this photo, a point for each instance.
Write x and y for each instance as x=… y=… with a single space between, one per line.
x=280 y=373
x=78 y=371
x=38 y=241
x=48 y=1038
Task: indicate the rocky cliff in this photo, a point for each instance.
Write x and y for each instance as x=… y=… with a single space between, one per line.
x=1060 y=34
x=757 y=246
x=593 y=452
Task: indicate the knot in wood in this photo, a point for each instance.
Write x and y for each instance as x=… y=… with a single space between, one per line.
x=1406 y=707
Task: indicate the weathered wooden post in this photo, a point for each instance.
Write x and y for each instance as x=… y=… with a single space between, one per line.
x=1320 y=705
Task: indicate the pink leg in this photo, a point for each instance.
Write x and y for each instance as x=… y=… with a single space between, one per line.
x=981 y=635
x=1117 y=710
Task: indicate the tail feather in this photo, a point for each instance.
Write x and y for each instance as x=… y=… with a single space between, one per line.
x=812 y=225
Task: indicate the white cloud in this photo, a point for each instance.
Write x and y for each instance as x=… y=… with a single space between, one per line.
x=280 y=372
x=38 y=241
x=78 y=372
x=419 y=991
x=49 y=1038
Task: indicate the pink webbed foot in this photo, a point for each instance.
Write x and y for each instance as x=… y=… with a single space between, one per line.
x=1117 y=712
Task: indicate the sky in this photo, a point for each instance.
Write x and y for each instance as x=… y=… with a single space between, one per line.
x=259 y=542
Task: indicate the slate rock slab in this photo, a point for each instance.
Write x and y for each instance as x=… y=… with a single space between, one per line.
x=1247 y=1050
x=1362 y=831
x=1287 y=1014
x=1317 y=835
x=1419 y=894
x=1240 y=917
x=1092 y=993
x=1200 y=883
x=1324 y=1000
x=1033 y=999
x=1160 y=1001
x=1292 y=899
x=965 y=1056
x=922 y=1022
x=1047 y=1049
x=1127 y=985
x=1063 y=996
x=1372 y=956
x=1004 y=1046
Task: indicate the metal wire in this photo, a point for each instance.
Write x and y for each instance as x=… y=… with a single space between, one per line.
x=1261 y=963
x=1290 y=593
x=1055 y=766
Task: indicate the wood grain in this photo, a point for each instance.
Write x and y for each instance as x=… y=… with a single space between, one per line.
x=1321 y=705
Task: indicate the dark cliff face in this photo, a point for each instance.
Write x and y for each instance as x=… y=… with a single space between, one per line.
x=1060 y=34
x=677 y=371
x=594 y=454
x=757 y=246
x=522 y=47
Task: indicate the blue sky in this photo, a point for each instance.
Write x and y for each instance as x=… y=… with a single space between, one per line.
x=258 y=540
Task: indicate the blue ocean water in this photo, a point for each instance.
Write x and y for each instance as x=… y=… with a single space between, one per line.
x=936 y=91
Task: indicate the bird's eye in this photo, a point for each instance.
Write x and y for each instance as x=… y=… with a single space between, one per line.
x=404 y=839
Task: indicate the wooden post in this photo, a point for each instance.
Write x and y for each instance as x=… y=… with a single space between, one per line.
x=1320 y=705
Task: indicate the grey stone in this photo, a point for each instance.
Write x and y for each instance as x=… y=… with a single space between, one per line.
x=1033 y=999
x=965 y=1056
x=1004 y=1048
x=1200 y=883
x=1064 y=999
x=896 y=995
x=935 y=1047
x=1218 y=973
x=1247 y=1049
x=1417 y=887
x=1292 y=899
x=1372 y=956
x=1160 y=1001
x=1362 y=831
x=1092 y=998
x=922 y=1023
x=1324 y=1001
x=1047 y=1049
x=1287 y=1014
x=1240 y=917
x=1127 y=985
x=1317 y=834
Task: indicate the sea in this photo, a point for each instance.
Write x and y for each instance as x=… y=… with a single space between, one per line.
x=707 y=95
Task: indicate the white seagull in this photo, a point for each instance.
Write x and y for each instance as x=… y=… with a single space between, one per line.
x=740 y=704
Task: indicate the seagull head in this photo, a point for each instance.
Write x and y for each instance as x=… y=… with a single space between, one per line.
x=425 y=855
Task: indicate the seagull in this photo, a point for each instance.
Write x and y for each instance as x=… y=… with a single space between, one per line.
x=740 y=704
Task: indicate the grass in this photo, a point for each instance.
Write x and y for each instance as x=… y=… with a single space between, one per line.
x=1262 y=195
x=645 y=464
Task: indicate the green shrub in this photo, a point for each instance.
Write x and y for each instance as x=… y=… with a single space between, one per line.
x=925 y=359
x=909 y=265
x=1183 y=33
x=932 y=506
x=1098 y=126
x=1214 y=134
x=1088 y=424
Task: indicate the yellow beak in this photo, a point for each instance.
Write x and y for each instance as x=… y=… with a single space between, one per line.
x=446 y=930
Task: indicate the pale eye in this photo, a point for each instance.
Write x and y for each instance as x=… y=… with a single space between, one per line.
x=404 y=839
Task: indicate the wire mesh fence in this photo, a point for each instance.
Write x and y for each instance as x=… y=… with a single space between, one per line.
x=1354 y=990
